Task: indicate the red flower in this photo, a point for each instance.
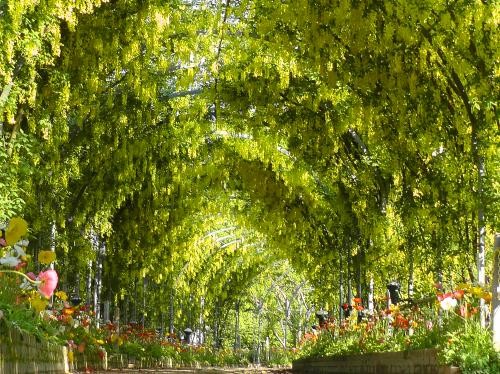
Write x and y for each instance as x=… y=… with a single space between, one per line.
x=442 y=296
x=20 y=265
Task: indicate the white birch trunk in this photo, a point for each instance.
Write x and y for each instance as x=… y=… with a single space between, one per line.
x=495 y=302
x=371 y=306
x=481 y=248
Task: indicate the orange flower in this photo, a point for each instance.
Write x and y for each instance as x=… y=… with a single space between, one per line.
x=458 y=294
x=401 y=322
x=68 y=311
x=357 y=300
x=486 y=296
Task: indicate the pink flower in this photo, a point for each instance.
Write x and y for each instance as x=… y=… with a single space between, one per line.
x=48 y=282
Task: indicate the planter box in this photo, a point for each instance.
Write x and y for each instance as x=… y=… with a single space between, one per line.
x=413 y=362
x=92 y=362
x=21 y=353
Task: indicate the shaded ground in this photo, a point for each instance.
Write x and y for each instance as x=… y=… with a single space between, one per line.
x=197 y=371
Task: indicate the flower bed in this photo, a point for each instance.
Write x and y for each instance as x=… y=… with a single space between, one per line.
x=448 y=324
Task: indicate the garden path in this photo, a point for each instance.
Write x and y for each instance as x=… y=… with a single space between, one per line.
x=197 y=371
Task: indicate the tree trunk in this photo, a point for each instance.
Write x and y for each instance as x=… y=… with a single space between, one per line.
x=89 y=284
x=410 y=271
x=481 y=230
x=349 y=277
x=171 y=312
x=144 y=287
x=237 y=343
x=439 y=258
x=341 y=285
x=495 y=302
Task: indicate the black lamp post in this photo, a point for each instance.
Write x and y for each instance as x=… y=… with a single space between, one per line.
x=75 y=300
x=322 y=316
x=346 y=310
x=393 y=289
x=187 y=335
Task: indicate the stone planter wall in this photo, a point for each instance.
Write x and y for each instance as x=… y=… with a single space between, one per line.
x=414 y=362
x=21 y=353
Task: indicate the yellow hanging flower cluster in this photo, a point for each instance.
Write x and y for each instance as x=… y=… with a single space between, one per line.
x=46 y=257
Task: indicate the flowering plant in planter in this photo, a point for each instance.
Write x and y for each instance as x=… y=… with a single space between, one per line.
x=36 y=289
x=448 y=323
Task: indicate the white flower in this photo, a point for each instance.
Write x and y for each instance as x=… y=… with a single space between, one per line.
x=448 y=303
x=49 y=315
x=26 y=285
x=24 y=242
x=10 y=261
x=19 y=250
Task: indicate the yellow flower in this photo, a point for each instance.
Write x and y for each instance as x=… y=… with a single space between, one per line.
x=39 y=304
x=394 y=308
x=477 y=291
x=464 y=286
x=17 y=228
x=62 y=295
x=46 y=257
